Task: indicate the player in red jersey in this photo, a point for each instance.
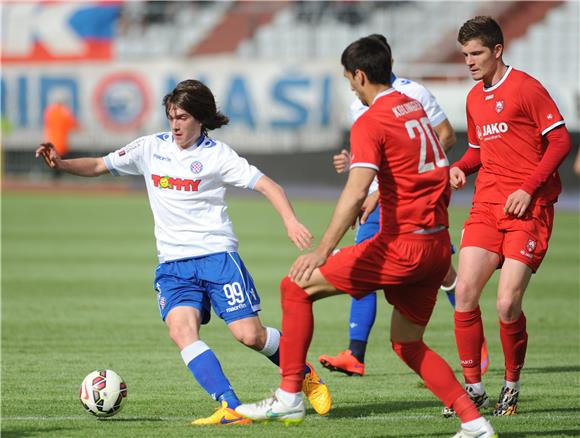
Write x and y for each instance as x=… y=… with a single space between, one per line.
x=407 y=258
x=517 y=140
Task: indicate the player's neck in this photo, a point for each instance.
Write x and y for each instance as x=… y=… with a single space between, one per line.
x=496 y=76
x=375 y=91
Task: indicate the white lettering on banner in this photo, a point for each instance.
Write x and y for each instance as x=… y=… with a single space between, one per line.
x=280 y=110
x=284 y=108
x=26 y=23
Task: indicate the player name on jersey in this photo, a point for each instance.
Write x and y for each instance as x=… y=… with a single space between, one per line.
x=406 y=108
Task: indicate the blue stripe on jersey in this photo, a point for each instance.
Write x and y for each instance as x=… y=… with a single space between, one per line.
x=109 y=165
x=254 y=180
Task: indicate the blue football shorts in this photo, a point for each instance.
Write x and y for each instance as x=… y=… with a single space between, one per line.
x=217 y=280
x=372 y=227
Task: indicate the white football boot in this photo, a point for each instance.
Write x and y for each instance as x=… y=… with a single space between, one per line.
x=485 y=431
x=273 y=409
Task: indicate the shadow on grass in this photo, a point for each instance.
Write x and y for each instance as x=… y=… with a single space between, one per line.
x=563 y=432
x=383 y=408
x=130 y=420
x=549 y=370
x=31 y=431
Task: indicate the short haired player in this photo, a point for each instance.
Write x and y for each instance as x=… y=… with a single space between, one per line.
x=363 y=311
x=517 y=140
x=409 y=256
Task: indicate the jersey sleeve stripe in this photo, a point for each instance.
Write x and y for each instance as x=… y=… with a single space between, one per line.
x=254 y=180
x=367 y=165
x=438 y=119
x=555 y=125
x=471 y=145
x=110 y=166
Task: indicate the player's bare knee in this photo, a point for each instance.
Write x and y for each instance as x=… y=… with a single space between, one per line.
x=250 y=338
x=466 y=294
x=181 y=334
x=508 y=310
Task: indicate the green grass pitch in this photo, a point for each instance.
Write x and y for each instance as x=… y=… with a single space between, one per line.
x=77 y=274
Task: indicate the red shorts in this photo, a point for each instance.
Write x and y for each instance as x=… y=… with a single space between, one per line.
x=524 y=239
x=409 y=267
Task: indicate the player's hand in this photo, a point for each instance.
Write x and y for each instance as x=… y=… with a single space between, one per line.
x=368 y=206
x=304 y=265
x=517 y=203
x=457 y=178
x=341 y=161
x=48 y=152
x=299 y=235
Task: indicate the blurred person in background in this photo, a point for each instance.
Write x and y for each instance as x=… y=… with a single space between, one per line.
x=186 y=173
x=408 y=258
x=59 y=122
x=517 y=140
x=577 y=162
x=363 y=311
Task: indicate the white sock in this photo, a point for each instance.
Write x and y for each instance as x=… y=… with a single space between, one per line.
x=272 y=342
x=289 y=398
x=473 y=425
x=449 y=288
x=193 y=350
x=513 y=385
x=476 y=388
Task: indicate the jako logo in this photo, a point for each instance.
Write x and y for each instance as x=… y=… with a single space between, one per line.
x=494 y=128
x=168 y=182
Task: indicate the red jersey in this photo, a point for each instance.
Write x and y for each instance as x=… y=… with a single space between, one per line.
x=508 y=123
x=395 y=138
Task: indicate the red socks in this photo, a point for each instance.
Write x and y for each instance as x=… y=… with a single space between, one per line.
x=297 y=326
x=438 y=377
x=469 y=338
x=514 y=341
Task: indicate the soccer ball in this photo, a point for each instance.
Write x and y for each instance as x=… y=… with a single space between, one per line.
x=103 y=393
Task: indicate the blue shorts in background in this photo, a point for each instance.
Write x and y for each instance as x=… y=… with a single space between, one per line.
x=217 y=280
x=370 y=227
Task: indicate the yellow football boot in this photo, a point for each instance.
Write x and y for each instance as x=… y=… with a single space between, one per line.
x=222 y=416
x=316 y=391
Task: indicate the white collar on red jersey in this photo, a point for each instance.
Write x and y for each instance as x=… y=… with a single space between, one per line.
x=501 y=81
x=383 y=93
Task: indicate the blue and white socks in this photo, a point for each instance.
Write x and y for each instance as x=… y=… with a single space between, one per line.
x=206 y=369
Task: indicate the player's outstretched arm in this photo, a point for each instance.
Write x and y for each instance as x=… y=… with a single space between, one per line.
x=88 y=166
x=346 y=211
x=297 y=232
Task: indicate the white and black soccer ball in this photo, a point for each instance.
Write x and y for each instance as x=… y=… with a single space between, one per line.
x=103 y=393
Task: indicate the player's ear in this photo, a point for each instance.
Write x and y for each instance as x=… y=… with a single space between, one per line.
x=360 y=77
x=498 y=51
